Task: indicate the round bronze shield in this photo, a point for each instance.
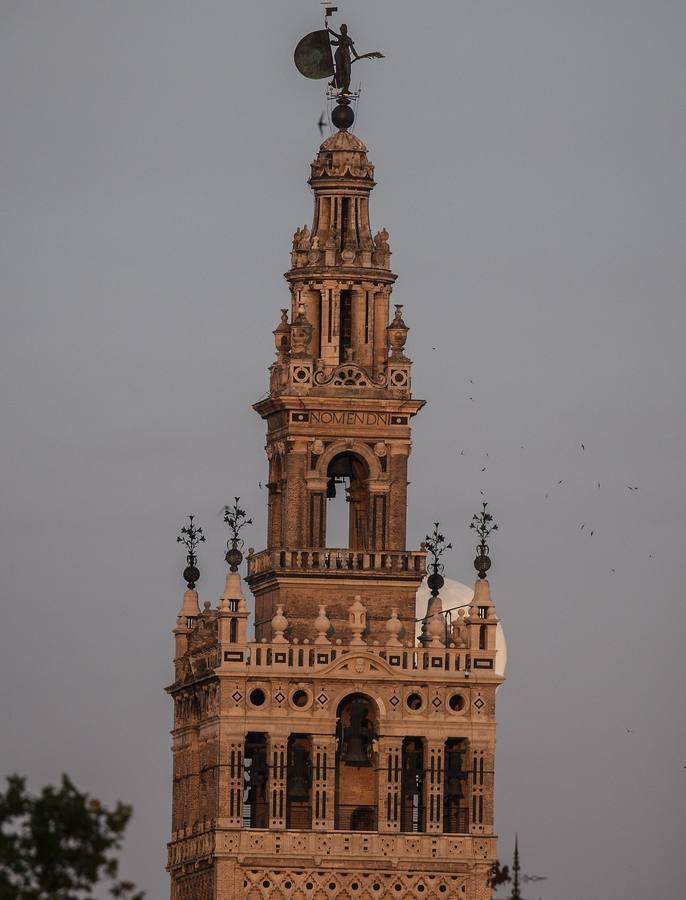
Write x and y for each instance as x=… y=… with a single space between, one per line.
x=313 y=57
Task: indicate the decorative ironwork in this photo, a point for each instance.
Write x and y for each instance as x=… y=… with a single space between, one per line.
x=190 y=536
x=484 y=525
x=436 y=544
x=237 y=519
x=515 y=895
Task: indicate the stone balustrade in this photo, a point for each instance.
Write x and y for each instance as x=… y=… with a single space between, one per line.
x=312 y=658
x=345 y=561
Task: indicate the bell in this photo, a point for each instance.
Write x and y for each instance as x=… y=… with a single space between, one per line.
x=357 y=737
x=341 y=466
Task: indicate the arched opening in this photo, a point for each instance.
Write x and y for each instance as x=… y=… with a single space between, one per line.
x=413 y=811
x=255 y=805
x=483 y=636
x=356 y=759
x=275 y=504
x=455 y=788
x=299 y=782
x=347 y=508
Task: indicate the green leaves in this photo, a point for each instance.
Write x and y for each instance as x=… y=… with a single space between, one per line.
x=59 y=843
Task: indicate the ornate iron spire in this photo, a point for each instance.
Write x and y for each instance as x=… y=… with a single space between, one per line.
x=190 y=536
x=515 y=895
x=483 y=524
x=236 y=518
x=436 y=544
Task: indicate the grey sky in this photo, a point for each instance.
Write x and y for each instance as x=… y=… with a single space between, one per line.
x=530 y=159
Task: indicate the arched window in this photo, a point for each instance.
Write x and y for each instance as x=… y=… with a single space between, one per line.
x=299 y=782
x=356 y=729
x=413 y=809
x=483 y=637
x=456 y=787
x=347 y=524
x=255 y=803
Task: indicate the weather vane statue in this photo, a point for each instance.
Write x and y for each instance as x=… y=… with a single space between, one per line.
x=314 y=59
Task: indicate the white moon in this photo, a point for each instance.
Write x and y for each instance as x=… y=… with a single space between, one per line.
x=454 y=593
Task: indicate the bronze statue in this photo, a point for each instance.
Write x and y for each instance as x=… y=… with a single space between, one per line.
x=345 y=46
x=313 y=57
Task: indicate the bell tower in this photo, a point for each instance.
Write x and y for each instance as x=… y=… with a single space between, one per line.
x=338 y=417
x=343 y=752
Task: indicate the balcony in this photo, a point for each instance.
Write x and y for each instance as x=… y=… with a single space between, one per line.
x=410 y=564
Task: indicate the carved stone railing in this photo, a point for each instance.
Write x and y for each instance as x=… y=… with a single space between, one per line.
x=310 y=658
x=332 y=560
x=334 y=845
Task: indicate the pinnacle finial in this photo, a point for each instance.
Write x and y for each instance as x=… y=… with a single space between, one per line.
x=436 y=545
x=483 y=524
x=236 y=518
x=515 y=872
x=190 y=536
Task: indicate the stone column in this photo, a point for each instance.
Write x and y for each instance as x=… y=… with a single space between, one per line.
x=478 y=782
x=294 y=500
x=379 y=520
x=357 y=324
x=380 y=323
x=231 y=782
x=330 y=323
x=323 y=782
x=277 y=756
x=389 y=785
x=433 y=786
x=397 y=498
x=311 y=297
x=316 y=517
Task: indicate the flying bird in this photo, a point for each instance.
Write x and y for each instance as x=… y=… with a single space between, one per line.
x=560 y=481
x=484 y=469
x=632 y=488
x=582 y=447
x=321 y=123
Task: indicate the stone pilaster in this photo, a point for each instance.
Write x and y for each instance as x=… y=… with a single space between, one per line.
x=277 y=755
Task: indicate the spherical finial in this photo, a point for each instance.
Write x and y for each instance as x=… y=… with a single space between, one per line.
x=482 y=564
x=236 y=518
x=342 y=115
x=191 y=535
x=483 y=524
x=435 y=581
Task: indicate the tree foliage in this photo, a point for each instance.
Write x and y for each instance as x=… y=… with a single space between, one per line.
x=500 y=875
x=60 y=843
